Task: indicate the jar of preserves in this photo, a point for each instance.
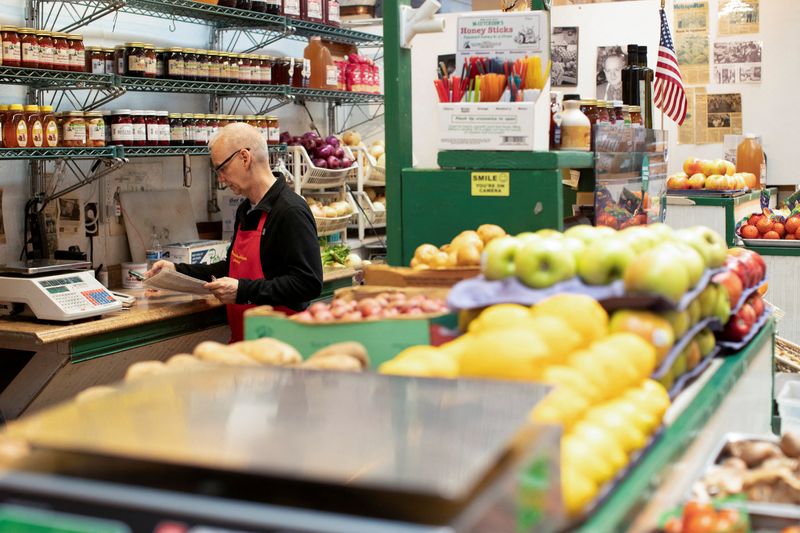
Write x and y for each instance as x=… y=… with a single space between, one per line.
x=189 y=130
x=292 y=8
x=107 y=125
x=122 y=127
x=315 y=11
x=297 y=73
x=120 y=60
x=280 y=70
x=95 y=128
x=15 y=129
x=619 y=117
x=266 y=70
x=94 y=60
x=135 y=60
x=626 y=115
x=150 y=61
x=60 y=51
x=108 y=60
x=203 y=65
x=161 y=68
x=47 y=51
x=200 y=130
x=189 y=64
x=333 y=15
x=212 y=125
x=214 y=66
x=30 y=48
x=244 y=4
x=152 y=130
x=176 y=130
x=255 y=69
x=224 y=68
x=49 y=126
x=77 y=63
x=12 y=47
x=35 y=129
x=259 y=6
x=261 y=126
x=245 y=73
x=274 y=130
x=174 y=64
x=603 y=116
x=234 y=68
x=139 y=128
x=251 y=120
x=162 y=119
x=589 y=108
x=636 y=116
x=73 y=129
x=274 y=7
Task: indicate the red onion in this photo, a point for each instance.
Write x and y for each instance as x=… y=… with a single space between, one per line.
x=334 y=162
x=320 y=163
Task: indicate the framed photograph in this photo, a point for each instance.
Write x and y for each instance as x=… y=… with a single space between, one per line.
x=610 y=62
x=564 y=44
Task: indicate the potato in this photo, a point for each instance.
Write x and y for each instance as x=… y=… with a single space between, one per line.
x=467 y=238
x=316 y=210
x=426 y=253
x=337 y=362
x=183 y=360
x=94 y=392
x=790 y=445
x=371 y=194
x=353 y=349
x=143 y=369
x=329 y=212
x=468 y=255
x=214 y=352
x=269 y=351
x=489 y=232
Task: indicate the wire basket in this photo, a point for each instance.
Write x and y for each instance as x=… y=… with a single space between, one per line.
x=376 y=217
x=312 y=177
x=330 y=226
x=787 y=356
x=374 y=175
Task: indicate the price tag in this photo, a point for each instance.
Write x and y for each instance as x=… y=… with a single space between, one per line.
x=491 y=184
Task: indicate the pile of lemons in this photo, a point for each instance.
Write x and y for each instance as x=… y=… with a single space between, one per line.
x=602 y=394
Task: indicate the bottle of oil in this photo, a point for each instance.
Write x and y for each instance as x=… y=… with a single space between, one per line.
x=645 y=88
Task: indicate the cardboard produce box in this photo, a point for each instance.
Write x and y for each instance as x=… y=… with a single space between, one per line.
x=389 y=276
x=383 y=339
x=196 y=252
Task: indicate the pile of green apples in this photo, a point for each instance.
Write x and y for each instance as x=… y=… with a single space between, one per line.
x=653 y=259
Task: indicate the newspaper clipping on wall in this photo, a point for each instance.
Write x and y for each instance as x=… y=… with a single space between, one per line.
x=686 y=132
x=564 y=45
x=738 y=16
x=691 y=41
x=577 y=2
x=2 y=226
x=717 y=115
x=737 y=62
x=69 y=215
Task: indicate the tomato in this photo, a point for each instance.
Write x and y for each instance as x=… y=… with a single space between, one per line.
x=673 y=525
x=700 y=522
x=694 y=507
x=732 y=518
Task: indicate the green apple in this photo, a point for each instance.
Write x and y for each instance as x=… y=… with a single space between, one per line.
x=691 y=259
x=708 y=301
x=661 y=231
x=679 y=320
x=723 y=308
x=528 y=236
x=691 y=238
x=706 y=340
x=680 y=364
x=541 y=264
x=667 y=380
x=638 y=238
x=588 y=234
x=717 y=246
x=695 y=311
x=693 y=354
x=576 y=246
x=498 y=258
x=604 y=261
x=657 y=271
x=549 y=233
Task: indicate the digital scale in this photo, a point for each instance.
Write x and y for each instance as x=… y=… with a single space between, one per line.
x=53 y=290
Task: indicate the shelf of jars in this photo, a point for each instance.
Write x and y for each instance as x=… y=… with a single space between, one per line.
x=339 y=97
x=165 y=85
x=59 y=153
x=163 y=151
x=46 y=79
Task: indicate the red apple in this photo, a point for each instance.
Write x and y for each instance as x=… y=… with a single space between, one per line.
x=678 y=182
x=739 y=267
x=697 y=181
x=736 y=329
x=748 y=314
x=732 y=283
x=757 y=302
x=691 y=166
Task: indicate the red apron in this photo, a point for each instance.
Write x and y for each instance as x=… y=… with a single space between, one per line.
x=245 y=263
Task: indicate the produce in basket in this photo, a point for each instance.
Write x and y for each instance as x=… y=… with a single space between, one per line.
x=382 y=306
x=334 y=209
x=464 y=250
x=711 y=175
x=771 y=224
x=324 y=152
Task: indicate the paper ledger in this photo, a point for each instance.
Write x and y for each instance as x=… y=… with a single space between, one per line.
x=175 y=281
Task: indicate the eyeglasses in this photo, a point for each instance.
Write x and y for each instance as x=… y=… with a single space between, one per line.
x=228 y=160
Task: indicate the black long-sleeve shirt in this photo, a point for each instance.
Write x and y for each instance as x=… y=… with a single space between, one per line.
x=290 y=257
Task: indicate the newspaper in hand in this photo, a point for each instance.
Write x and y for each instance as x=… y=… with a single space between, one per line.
x=175 y=281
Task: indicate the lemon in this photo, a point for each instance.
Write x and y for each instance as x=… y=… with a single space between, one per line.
x=405 y=367
x=629 y=436
x=577 y=455
x=561 y=406
x=455 y=348
x=657 y=395
x=617 y=369
x=556 y=333
x=505 y=354
x=596 y=370
x=570 y=378
x=636 y=351
x=637 y=415
x=577 y=491
x=603 y=443
x=582 y=313
x=439 y=364
x=499 y=316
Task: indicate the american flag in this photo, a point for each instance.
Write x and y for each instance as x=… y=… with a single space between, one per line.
x=670 y=96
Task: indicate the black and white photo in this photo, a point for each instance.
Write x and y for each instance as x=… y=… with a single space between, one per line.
x=610 y=62
x=565 y=57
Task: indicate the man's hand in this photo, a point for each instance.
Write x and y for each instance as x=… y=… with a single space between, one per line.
x=224 y=289
x=158 y=266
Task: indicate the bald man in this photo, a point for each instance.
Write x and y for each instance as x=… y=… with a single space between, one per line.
x=274 y=256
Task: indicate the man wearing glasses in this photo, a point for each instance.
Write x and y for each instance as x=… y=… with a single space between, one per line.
x=274 y=256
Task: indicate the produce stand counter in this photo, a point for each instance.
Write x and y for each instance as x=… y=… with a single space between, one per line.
x=718 y=213
x=734 y=395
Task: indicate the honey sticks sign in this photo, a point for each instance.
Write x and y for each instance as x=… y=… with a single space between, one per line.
x=502 y=36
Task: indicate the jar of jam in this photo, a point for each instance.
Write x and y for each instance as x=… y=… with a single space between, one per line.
x=274 y=7
x=259 y=6
x=35 y=128
x=234 y=65
x=589 y=108
x=95 y=128
x=250 y=120
x=626 y=115
x=224 y=68
x=200 y=130
x=244 y=4
x=280 y=70
x=260 y=124
x=139 y=128
x=135 y=60
x=77 y=63
x=297 y=73
x=12 y=47
x=15 y=128
x=315 y=11
x=176 y=130
x=120 y=60
x=203 y=65
x=636 y=116
x=214 y=66
x=255 y=69
x=49 y=126
x=244 y=68
x=265 y=63
x=152 y=130
x=274 y=130
x=333 y=16
x=212 y=125
x=189 y=64
x=619 y=117
x=122 y=127
x=60 y=51
x=73 y=129
x=189 y=129
x=108 y=60
x=150 y=61
x=603 y=116
x=107 y=125
x=161 y=120
x=30 y=48
x=47 y=51
x=161 y=68
x=94 y=60
x=174 y=64
x=292 y=9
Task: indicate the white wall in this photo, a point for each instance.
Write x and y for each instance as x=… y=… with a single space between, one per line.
x=768 y=106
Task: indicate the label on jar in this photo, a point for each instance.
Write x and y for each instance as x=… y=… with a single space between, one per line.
x=201 y=134
x=108 y=66
x=163 y=132
x=264 y=133
x=175 y=67
x=11 y=50
x=306 y=69
x=30 y=52
x=37 y=134
x=245 y=73
x=121 y=66
x=61 y=59
x=139 y=132
x=332 y=75
x=274 y=135
x=190 y=68
x=122 y=132
x=75 y=131
x=274 y=3
x=291 y=7
x=159 y=69
x=96 y=130
x=576 y=137
x=76 y=59
x=314 y=9
x=150 y=66
x=255 y=73
x=189 y=132
x=153 y=132
x=266 y=75
x=22 y=134
x=136 y=64
x=333 y=12
x=47 y=55
x=98 y=66
x=176 y=133
x=51 y=133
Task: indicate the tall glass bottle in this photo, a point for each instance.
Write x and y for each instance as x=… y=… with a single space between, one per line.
x=645 y=88
x=630 y=77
